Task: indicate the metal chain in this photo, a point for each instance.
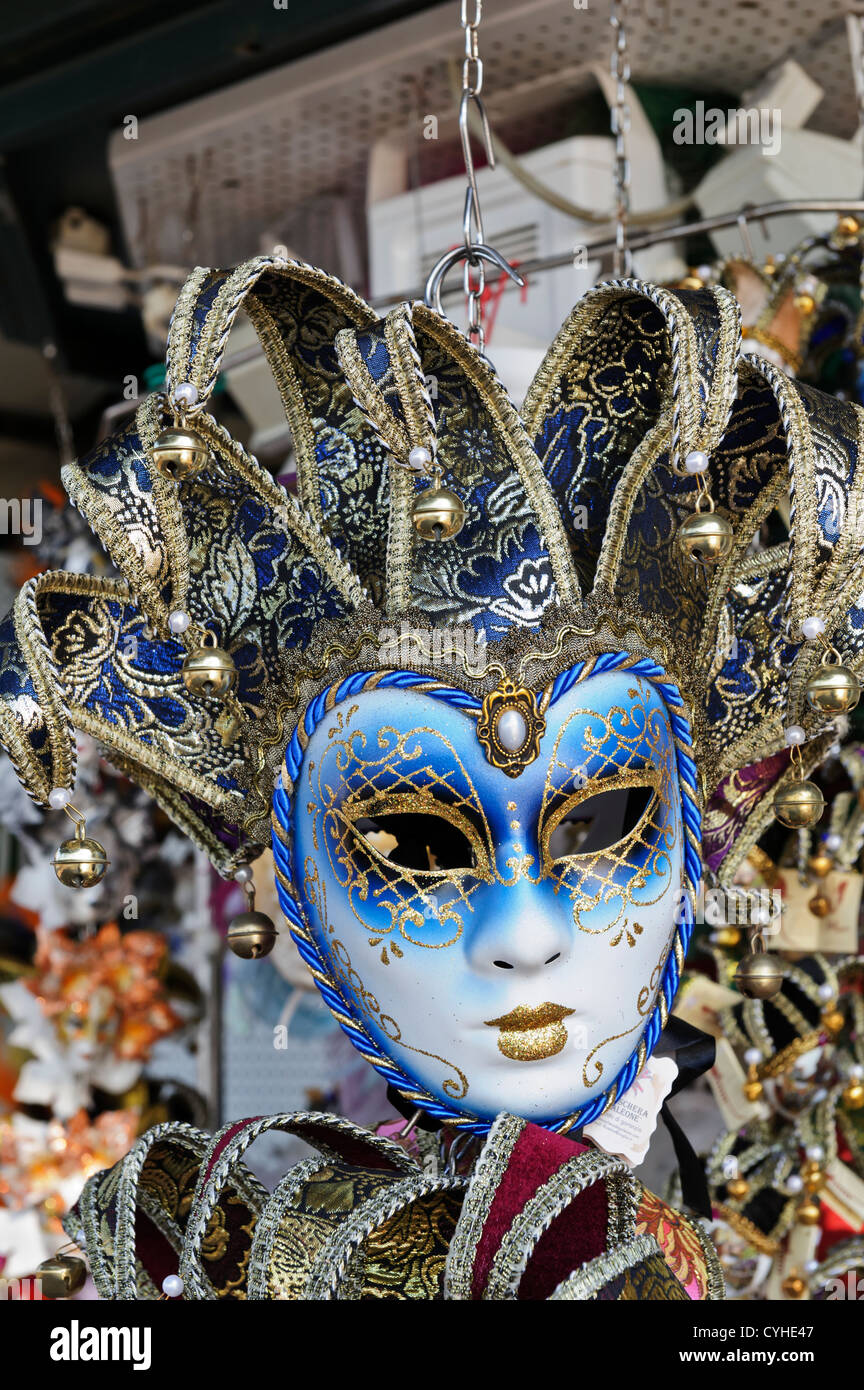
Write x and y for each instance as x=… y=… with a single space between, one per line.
x=473 y=270
x=620 y=67
x=472 y=66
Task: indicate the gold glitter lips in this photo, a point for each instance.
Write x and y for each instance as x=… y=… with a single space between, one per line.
x=530 y=1034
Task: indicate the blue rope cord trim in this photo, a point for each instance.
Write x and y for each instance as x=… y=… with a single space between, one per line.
x=309 y=951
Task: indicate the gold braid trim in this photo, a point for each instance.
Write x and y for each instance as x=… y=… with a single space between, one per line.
x=180 y=329
x=721 y=400
x=368 y=395
x=49 y=687
x=747 y=1229
x=202 y=367
x=788 y=1056
x=398 y=443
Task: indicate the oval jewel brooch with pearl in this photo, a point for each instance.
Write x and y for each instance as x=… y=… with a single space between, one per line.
x=510 y=727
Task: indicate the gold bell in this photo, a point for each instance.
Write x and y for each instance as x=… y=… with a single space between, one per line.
x=809 y=1212
x=251 y=935
x=819 y=905
x=209 y=672
x=179 y=453
x=833 y=689
x=726 y=936
x=813 y=1176
x=833 y=1021
x=753 y=1087
x=805 y=303
x=853 y=1094
x=80 y=862
x=793 y=1286
x=758 y=975
x=820 y=864
x=705 y=536
x=845 y=233
x=61 y=1276
x=798 y=805
x=737 y=1188
x=438 y=514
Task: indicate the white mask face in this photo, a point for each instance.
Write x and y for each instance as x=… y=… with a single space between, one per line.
x=502 y=939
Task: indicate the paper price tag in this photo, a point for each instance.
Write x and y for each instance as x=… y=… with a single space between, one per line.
x=700 y=1001
x=726 y=1079
x=626 y=1127
x=800 y=930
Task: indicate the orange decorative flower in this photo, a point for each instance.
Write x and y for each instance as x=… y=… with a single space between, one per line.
x=106 y=988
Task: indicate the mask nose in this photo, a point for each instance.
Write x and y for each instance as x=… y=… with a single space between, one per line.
x=522 y=933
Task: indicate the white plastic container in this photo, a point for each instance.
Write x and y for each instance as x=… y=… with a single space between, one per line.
x=807 y=165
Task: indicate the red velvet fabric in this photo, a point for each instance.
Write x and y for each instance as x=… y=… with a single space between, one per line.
x=577 y=1235
x=537 y=1155
x=353 y=1148
x=153 y=1250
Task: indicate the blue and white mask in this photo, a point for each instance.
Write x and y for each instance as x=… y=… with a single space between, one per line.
x=493 y=888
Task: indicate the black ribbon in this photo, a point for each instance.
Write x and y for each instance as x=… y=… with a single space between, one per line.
x=693 y=1053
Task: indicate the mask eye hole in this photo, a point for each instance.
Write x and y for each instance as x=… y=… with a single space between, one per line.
x=602 y=820
x=422 y=842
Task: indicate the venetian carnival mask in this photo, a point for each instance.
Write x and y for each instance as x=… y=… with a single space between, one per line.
x=480 y=680
x=469 y=915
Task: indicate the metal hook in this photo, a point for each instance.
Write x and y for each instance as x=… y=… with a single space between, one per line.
x=472 y=254
x=459 y=1146
x=472 y=220
x=746 y=239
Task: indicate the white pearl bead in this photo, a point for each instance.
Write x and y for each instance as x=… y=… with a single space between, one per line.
x=833 y=842
x=172 y=1285
x=794 y=1183
x=730 y=1166
x=243 y=874
x=812 y=628
x=704 y=272
x=856 y=1072
x=696 y=461
x=419 y=458
x=511 y=729
x=178 y=621
x=825 y=992
x=185 y=393
x=810 y=1266
x=752 y=1056
x=58 y=797
x=819 y=1095
x=815 y=1152
x=795 y=734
